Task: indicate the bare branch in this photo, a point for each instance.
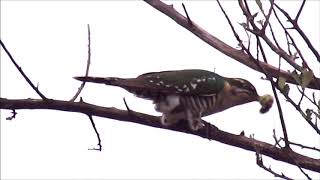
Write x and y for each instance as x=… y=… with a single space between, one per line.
x=302 y=34
x=87 y=68
x=283 y=125
x=261 y=33
x=259 y=162
x=304 y=63
x=302 y=95
x=304 y=173
x=298 y=108
x=236 y=54
x=209 y=131
x=300 y=10
x=269 y=78
x=185 y=10
x=21 y=72
x=125 y=103
x=277 y=141
x=274 y=37
x=97 y=133
x=303 y=146
x=273 y=84
x=14 y=113
x=268 y=17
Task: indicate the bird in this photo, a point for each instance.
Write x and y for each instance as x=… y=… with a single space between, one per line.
x=188 y=94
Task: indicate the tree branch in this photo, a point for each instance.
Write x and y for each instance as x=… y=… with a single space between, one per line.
x=208 y=132
x=259 y=162
x=21 y=72
x=259 y=46
x=236 y=54
x=97 y=133
x=300 y=10
x=296 y=26
x=283 y=125
x=261 y=33
x=87 y=68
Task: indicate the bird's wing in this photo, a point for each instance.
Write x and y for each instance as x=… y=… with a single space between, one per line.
x=187 y=82
x=184 y=82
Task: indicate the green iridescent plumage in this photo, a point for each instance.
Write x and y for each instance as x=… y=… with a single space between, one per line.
x=193 y=81
x=188 y=94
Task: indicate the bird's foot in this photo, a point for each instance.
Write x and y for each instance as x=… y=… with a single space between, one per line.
x=195 y=124
x=167 y=121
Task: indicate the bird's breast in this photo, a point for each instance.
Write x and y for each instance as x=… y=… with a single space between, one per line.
x=203 y=105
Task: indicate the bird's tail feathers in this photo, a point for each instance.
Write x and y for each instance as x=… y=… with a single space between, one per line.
x=101 y=80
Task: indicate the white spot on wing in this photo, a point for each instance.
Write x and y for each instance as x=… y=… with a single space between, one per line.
x=212 y=78
x=193 y=85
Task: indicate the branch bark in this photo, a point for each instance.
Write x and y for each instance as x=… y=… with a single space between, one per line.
x=210 y=131
x=216 y=43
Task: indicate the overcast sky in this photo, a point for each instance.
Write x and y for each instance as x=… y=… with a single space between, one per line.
x=49 y=41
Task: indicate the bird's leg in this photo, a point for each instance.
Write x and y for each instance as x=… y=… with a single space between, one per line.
x=195 y=121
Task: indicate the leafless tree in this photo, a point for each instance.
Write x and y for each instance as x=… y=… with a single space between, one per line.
x=251 y=52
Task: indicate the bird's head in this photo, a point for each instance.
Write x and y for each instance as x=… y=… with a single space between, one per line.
x=241 y=91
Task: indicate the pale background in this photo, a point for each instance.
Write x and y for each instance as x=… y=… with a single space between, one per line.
x=49 y=41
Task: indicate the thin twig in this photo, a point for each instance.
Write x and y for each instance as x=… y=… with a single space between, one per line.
x=271 y=29
x=269 y=78
x=246 y=11
x=283 y=125
x=302 y=146
x=304 y=63
x=14 y=113
x=298 y=165
x=259 y=162
x=22 y=73
x=278 y=50
x=273 y=36
x=277 y=141
x=304 y=173
x=267 y=17
x=288 y=44
x=185 y=10
x=298 y=108
x=300 y=10
x=87 y=68
x=302 y=95
x=97 y=133
x=302 y=34
x=125 y=103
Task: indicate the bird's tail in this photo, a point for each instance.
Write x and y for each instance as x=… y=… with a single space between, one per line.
x=107 y=80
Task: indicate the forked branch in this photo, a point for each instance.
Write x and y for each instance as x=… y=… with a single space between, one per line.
x=216 y=43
